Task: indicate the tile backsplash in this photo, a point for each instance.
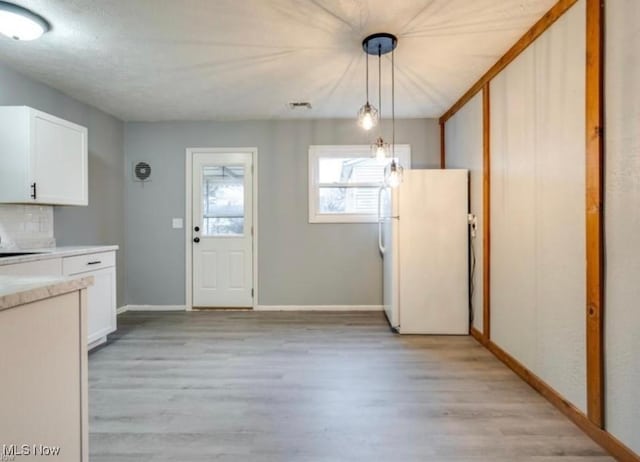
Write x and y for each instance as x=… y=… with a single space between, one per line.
x=26 y=227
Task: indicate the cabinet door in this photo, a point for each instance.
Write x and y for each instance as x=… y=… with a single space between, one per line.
x=101 y=309
x=59 y=160
x=43 y=364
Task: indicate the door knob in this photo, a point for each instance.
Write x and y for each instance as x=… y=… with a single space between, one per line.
x=196 y=239
x=196 y=229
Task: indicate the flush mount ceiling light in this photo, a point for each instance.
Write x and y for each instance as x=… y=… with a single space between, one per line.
x=19 y=23
x=380 y=44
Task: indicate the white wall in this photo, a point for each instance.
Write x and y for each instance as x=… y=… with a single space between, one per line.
x=622 y=221
x=537 y=207
x=463 y=145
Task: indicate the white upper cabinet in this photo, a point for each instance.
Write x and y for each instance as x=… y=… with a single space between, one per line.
x=43 y=159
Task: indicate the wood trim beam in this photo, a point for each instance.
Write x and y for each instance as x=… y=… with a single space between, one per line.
x=594 y=219
x=608 y=442
x=527 y=39
x=476 y=334
x=486 y=211
x=443 y=158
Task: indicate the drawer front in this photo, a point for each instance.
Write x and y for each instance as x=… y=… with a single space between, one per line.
x=89 y=262
x=50 y=267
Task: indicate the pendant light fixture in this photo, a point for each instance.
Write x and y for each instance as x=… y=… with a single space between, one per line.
x=394 y=171
x=380 y=148
x=380 y=44
x=368 y=114
x=19 y=23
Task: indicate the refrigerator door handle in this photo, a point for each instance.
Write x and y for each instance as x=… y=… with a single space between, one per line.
x=380 y=220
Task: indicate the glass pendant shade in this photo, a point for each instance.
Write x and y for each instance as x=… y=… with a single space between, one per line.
x=393 y=174
x=367 y=116
x=380 y=150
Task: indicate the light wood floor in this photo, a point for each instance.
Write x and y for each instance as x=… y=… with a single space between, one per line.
x=321 y=387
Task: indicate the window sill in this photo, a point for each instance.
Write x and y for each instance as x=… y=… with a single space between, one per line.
x=353 y=219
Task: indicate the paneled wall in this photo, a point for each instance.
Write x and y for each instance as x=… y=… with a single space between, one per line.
x=463 y=142
x=622 y=221
x=537 y=150
x=537 y=207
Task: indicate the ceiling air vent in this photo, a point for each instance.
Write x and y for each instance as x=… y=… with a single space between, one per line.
x=299 y=105
x=141 y=171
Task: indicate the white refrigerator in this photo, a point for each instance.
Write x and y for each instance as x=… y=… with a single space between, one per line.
x=423 y=240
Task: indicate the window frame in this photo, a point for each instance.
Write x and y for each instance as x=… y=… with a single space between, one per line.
x=317 y=152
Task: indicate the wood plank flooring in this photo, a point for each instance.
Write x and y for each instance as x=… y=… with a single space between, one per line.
x=321 y=387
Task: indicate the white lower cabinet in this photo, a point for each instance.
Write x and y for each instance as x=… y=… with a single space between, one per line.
x=43 y=359
x=101 y=316
x=102 y=303
x=101 y=306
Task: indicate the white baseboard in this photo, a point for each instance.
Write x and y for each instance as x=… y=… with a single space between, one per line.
x=319 y=308
x=151 y=308
x=95 y=343
x=125 y=308
x=122 y=309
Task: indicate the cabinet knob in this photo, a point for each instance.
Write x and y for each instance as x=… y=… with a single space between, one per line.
x=196 y=229
x=196 y=239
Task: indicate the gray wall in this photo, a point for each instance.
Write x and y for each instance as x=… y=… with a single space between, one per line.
x=464 y=149
x=299 y=263
x=102 y=222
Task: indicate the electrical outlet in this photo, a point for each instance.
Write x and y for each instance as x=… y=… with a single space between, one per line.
x=177 y=223
x=473 y=222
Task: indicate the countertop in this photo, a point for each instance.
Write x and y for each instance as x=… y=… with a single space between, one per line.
x=20 y=290
x=56 y=252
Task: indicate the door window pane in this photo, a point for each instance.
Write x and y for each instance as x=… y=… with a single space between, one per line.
x=223 y=200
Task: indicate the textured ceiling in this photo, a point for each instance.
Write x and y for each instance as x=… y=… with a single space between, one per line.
x=148 y=60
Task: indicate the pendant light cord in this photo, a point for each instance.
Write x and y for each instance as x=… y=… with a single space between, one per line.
x=367 y=77
x=380 y=87
x=393 y=106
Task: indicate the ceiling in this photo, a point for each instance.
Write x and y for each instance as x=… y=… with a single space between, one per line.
x=149 y=60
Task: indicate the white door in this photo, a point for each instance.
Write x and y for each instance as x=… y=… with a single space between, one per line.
x=222 y=230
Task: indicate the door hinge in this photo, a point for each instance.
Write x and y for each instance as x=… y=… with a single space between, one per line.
x=34 y=194
x=252 y=231
x=251 y=293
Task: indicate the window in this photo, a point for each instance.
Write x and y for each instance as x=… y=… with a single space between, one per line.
x=344 y=183
x=223 y=200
